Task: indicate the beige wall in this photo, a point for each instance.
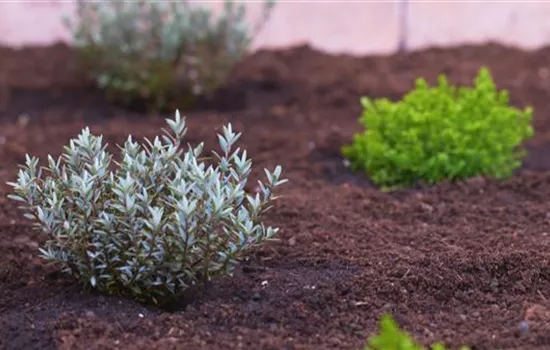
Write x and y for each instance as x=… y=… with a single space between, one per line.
x=338 y=26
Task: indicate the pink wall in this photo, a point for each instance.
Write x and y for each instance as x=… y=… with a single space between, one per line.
x=336 y=26
x=520 y=23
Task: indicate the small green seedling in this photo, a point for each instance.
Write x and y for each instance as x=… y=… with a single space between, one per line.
x=393 y=338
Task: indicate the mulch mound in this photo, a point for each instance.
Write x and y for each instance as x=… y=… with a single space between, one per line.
x=462 y=263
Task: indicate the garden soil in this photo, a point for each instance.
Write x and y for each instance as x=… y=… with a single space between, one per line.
x=465 y=263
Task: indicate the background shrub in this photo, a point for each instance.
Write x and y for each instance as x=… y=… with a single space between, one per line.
x=440 y=132
x=160 y=53
x=158 y=224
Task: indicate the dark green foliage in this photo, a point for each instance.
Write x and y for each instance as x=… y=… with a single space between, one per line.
x=440 y=132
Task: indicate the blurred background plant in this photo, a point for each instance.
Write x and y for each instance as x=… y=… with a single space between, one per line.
x=158 y=54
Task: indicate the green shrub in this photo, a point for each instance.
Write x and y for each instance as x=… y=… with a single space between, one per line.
x=160 y=223
x=440 y=132
x=392 y=338
x=160 y=53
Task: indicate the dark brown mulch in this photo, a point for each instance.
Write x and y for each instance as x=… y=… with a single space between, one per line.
x=461 y=263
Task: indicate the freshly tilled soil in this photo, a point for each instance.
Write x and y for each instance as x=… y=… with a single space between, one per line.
x=462 y=263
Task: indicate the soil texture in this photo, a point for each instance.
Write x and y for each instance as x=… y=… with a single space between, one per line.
x=463 y=263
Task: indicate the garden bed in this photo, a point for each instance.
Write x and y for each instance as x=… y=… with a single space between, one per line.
x=462 y=263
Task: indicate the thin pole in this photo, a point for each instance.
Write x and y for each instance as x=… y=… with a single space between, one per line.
x=403 y=18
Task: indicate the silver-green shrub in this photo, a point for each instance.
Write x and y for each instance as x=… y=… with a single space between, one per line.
x=161 y=52
x=161 y=222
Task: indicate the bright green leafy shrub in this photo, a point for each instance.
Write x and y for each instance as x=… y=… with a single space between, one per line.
x=440 y=132
x=160 y=54
x=161 y=222
x=393 y=338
